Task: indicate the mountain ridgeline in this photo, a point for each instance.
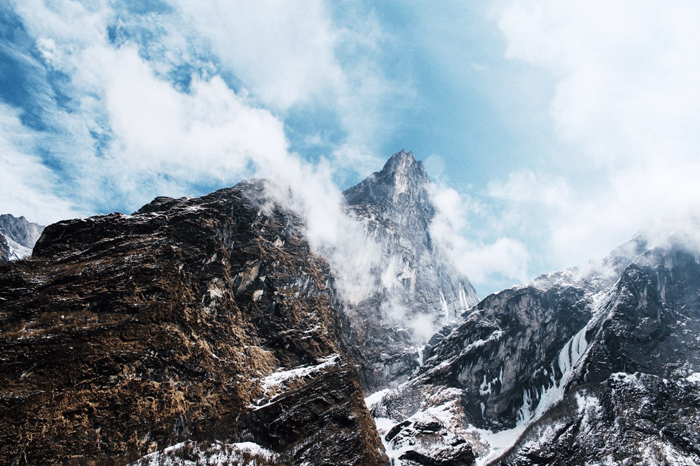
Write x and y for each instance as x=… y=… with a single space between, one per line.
x=207 y=331
x=17 y=237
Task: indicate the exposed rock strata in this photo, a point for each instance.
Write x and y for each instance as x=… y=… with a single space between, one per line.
x=198 y=320
x=572 y=369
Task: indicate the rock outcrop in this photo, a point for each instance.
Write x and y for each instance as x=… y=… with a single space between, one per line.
x=194 y=324
x=634 y=394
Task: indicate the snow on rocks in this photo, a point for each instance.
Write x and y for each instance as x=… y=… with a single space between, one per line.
x=190 y=453
x=279 y=382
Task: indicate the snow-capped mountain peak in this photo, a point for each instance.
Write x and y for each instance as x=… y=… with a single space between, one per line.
x=17 y=237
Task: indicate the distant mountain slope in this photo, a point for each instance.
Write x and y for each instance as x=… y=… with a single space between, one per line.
x=17 y=237
x=572 y=369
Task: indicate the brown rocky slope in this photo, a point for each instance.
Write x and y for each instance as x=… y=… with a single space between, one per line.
x=205 y=320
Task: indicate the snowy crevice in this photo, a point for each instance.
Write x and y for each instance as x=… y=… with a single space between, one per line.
x=537 y=400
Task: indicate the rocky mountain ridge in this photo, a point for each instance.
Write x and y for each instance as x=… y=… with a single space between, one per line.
x=571 y=369
x=205 y=320
x=201 y=331
x=17 y=237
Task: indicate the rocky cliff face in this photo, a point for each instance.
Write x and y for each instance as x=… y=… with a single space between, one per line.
x=634 y=393
x=571 y=369
x=415 y=289
x=17 y=237
x=204 y=325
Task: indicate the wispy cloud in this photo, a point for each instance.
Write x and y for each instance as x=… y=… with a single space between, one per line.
x=487 y=262
x=182 y=97
x=627 y=105
x=26 y=184
x=136 y=125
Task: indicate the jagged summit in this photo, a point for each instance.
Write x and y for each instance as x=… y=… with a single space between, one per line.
x=415 y=283
x=402 y=183
x=403 y=163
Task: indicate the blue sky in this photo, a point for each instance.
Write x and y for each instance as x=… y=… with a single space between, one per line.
x=554 y=130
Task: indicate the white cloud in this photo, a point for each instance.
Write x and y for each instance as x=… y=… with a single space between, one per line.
x=209 y=133
x=162 y=141
x=282 y=50
x=627 y=102
x=291 y=55
x=27 y=186
x=487 y=264
x=527 y=187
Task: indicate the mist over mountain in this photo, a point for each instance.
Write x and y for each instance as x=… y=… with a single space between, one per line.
x=233 y=329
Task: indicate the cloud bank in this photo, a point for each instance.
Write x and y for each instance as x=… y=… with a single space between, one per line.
x=180 y=97
x=626 y=108
x=146 y=106
x=112 y=103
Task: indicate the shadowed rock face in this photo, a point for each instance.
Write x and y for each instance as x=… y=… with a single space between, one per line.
x=414 y=282
x=635 y=395
x=505 y=348
x=205 y=319
x=571 y=369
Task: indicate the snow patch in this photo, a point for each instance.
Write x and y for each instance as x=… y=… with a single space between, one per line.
x=443 y=303
x=278 y=382
x=499 y=442
x=485 y=387
x=16 y=250
x=497 y=335
x=372 y=400
x=586 y=403
x=192 y=454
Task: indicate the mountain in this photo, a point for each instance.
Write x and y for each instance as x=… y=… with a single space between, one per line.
x=207 y=331
x=207 y=326
x=574 y=368
x=194 y=326
x=17 y=237
x=416 y=287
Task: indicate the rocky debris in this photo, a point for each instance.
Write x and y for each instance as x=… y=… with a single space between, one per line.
x=416 y=290
x=190 y=452
x=571 y=369
x=193 y=320
x=17 y=237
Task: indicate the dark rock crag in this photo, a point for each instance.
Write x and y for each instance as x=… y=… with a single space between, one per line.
x=202 y=320
x=634 y=397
